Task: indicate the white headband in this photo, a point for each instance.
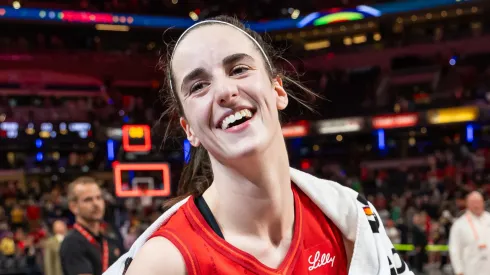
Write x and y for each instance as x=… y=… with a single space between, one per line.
x=218 y=22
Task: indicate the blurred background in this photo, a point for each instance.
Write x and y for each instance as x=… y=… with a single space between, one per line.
x=406 y=122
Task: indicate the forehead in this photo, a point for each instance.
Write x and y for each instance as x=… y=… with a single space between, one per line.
x=58 y=224
x=475 y=198
x=86 y=189
x=207 y=45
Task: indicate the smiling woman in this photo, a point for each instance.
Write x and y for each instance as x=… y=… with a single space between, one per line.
x=242 y=209
x=197 y=175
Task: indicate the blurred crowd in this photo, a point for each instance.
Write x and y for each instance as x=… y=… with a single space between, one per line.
x=99 y=110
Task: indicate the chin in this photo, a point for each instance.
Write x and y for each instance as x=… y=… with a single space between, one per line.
x=244 y=150
x=245 y=146
x=97 y=218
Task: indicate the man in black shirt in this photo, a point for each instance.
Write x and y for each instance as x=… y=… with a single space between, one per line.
x=85 y=250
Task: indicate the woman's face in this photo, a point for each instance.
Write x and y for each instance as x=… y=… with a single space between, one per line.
x=230 y=103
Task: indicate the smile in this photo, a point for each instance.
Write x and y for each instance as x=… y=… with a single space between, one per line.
x=236 y=119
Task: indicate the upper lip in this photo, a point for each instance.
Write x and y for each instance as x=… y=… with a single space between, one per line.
x=230 y=112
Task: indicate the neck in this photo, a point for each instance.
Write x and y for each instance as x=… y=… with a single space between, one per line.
x=476 y=214
x=254 y=196
x=92 y=226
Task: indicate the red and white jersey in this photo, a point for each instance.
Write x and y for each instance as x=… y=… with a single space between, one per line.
x=355 y=217
x=317 y=246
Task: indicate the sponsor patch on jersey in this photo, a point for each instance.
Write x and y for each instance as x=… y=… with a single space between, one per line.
x=368 y=211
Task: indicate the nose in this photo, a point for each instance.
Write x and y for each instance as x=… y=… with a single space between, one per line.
x=226 y=93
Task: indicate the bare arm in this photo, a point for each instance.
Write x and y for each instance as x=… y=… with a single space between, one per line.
x=158 y=256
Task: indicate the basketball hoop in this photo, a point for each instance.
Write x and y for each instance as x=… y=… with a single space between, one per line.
x=144 y=190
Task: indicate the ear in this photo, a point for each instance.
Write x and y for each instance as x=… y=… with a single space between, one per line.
x=193 y=140
x=282 y=99
x=73 y=207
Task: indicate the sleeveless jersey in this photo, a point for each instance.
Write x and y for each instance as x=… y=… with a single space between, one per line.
x=317 y=246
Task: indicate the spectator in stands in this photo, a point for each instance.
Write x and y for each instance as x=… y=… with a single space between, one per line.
x=30 y=252
x=52 y=260
x=20 y=239
x=17 y=215
x=392 y=232
x=7 y=246
x=35 y=190
x=131 y=236
x=4 y=225
x=419 y=240
x=33 y=213
x=469 y=241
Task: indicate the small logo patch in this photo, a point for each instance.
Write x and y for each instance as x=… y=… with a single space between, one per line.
x=320 y=259
x=368 y=211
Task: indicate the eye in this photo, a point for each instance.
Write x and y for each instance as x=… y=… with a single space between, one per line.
x=238 y=70
x=198 y=86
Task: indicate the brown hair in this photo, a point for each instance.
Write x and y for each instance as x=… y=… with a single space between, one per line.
x=71 y=187
x=197 y=175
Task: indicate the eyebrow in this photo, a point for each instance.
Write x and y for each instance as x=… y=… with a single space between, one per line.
x=233 y=58
x=236 y=57
x=192 y=75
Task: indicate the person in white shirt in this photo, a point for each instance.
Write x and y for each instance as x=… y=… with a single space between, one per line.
x=392 y=232
x=469 y=239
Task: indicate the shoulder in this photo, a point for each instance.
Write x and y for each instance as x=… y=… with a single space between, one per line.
x=155 y=254
x=162 y=248
x=72 y=239
x=337 y=202
x=177 y=224
x=328 y=187
x=458 y=225
x=49 y=242
x=458 y=221
x=486 y=214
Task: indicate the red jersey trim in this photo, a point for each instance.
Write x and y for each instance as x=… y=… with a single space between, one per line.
x=189 y=258
x=241 y=257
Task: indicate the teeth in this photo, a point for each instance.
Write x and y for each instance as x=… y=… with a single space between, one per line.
x=234 y=117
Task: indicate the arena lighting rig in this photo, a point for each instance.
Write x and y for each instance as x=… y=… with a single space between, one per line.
x=21 y=132
x=338 y=15
x=134 y=20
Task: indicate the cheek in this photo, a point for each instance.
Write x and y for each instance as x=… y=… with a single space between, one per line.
x=260 y=90
x=198 y=112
